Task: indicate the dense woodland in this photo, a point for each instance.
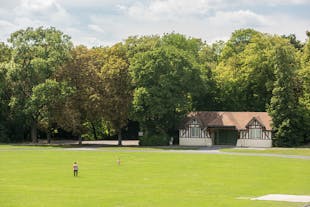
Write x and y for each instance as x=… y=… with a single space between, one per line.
x=48 y=85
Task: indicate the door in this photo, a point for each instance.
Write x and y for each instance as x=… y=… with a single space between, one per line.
x=226 y=137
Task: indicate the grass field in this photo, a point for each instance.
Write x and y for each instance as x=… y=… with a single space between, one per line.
x=37 y=177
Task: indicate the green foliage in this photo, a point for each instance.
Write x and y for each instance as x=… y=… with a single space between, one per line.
x=206 y=97
x=137 y=44
x=158 y=139
x=294 y=41
x=80 y=74
x=164 y=79
x=118 y=89
x=245 y=73
x=5 y=52
x=36 y=54
x=47 y=99
x=156 y=80
x=284 y=107
x=4 y=137
x=304 y=99
x=237 y=43
x=189 y=45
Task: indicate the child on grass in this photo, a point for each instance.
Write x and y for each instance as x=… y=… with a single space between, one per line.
x=75 y=169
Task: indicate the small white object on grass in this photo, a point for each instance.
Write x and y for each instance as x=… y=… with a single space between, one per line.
x=284 y=197
x=119 y=161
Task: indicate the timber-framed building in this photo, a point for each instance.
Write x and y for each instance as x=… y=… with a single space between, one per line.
x=242 y=129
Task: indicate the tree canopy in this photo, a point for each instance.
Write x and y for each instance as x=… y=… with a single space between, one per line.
x=47 y=83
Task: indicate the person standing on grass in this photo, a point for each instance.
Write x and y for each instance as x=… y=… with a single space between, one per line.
x=75 y=169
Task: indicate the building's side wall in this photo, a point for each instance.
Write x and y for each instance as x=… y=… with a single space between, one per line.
x=185 y=138
x=185 y=133
x=245 y=141
x=195 y=141
x=254 y=143
x=244 y=134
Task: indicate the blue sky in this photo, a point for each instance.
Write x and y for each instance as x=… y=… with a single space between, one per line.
x=105 y=22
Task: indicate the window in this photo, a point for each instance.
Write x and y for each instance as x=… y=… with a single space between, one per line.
x=255 y=133
x=255 y=130
x=194 y=121
x=194 y=130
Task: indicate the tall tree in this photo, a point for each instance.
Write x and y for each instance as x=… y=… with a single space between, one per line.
x=304 y=77
x=48 y=99
x=5 y=56
x=164 y=79
x=82 y=105
x=207 y=97
x=118 y=89
x=284 y=107
x=37 y=53
x=246 y=77
x=294 y=41
x=136 y=44
x=229 y=73
x=190 y=45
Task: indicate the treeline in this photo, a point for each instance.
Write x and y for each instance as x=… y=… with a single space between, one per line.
x=47 y=84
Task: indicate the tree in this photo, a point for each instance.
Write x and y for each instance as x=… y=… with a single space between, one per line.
x=5 y=52
x=164 y=79
x=190 y=45
x=230 y=75
x=284 y=107
x=83 y=104
x=246 y=77
x=207 y=97
x=258 y=62
x=304 y=78
x=118 y=89
x=136 y=44
x=36 y=54
x=48 y=98
x=292 y=38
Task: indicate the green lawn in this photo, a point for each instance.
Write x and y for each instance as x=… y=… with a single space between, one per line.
x=285 y=151
x=37 y=177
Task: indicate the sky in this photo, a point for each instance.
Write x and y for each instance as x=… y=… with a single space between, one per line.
x=106 y=22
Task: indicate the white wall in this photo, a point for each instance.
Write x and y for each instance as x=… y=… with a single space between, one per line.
x=195 y=141
x=254 y=143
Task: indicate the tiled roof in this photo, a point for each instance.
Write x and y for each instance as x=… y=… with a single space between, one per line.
x=239 y=120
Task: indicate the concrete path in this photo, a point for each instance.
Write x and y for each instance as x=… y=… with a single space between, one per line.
x=254 y=154
x=209 y=150
x=100 y=146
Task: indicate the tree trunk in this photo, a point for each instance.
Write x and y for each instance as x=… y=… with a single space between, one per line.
x=80 y=140
x=119 y=135
x=48 y=136
x=34 y=137
x=94 y=130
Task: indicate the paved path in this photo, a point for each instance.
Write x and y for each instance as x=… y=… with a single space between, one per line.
x=99 y=145
x=247 y=154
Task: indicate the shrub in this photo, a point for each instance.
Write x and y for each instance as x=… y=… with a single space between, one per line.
x=3 y=134
x=154 y=140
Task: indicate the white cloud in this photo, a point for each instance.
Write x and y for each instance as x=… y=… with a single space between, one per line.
x=7 y=29
x=102 y=22
x=285 y=24
x=96 y=28
x=168 y=9
x=36 y=5
x=241 y=18
x=48 y=11
x=284 y=2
